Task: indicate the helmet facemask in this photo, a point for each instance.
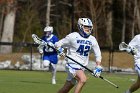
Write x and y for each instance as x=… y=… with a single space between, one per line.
x=87 y=29
x=48 y=31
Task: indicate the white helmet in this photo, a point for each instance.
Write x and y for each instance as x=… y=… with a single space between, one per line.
x=48 y=30
x=85 y=22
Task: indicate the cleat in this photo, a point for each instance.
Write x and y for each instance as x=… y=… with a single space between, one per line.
x=53 y=81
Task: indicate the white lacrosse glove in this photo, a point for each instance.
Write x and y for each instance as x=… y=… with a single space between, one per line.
x=134 y=50
x=49 y=47
x=40 y=49
x=60 y=51
x=131 y=50
x=97 y=71
x=50 y=44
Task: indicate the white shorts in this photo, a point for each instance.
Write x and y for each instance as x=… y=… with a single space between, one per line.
x=137 y=66
x=46 y=63
x=71 y=69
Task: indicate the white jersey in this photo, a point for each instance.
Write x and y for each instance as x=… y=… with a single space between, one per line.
x=135 y=42
x=79 y=48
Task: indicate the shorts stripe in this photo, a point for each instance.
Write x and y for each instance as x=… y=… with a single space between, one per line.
x=73 y=67
x=138 y=67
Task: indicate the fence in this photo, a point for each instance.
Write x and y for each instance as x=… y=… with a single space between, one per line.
x=26 y=57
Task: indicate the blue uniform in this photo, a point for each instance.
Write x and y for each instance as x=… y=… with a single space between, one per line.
x=49 y=53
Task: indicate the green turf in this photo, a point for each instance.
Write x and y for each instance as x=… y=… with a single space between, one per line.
x=40 y=82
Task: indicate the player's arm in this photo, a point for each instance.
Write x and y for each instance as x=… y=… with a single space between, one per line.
x=52 y=44
x=97 y=52
x=98 y=68
x=59 y=45
x=63 y=42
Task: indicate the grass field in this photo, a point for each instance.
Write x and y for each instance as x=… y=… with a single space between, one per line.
x=40 y=82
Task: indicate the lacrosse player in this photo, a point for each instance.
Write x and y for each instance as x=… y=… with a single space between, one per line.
x=135 y=49
x=49 y=55
x=79 y=45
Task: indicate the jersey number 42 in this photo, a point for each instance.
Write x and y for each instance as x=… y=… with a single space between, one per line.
x=83 y=50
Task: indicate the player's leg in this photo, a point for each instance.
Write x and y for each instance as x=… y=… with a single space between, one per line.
x=81 y=78
x=67 y=87
x=70 y=81
x=53 y=68
x=50 y=66
x=53 y=60
x=46 y=64
x=136 y=85
x=75 y=71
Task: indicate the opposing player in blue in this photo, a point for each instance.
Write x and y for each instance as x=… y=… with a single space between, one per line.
x=49 y=55
x=79 y=45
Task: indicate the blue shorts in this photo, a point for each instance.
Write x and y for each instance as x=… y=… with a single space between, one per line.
x=52 y=58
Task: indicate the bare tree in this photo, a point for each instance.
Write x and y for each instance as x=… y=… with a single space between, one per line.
x=1 y=21
x=134 y=18
x=108 y=20
x=48 y=12
x=138 y=16
x=93 y=17
x=124 y=21
x=8 y=29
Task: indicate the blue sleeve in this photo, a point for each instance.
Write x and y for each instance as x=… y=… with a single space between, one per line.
x=55 y=39
x=43 y=38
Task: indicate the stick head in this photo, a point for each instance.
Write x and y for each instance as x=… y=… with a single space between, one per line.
x=33 y=36
x=123 y=46
x=36 y=39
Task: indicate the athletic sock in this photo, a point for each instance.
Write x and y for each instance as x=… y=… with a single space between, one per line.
x=128 y=91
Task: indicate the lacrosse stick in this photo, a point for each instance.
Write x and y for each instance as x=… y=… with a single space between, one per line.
x=39 y=41
x=123 y=46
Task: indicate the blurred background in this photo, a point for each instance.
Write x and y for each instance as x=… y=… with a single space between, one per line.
x=114 y=21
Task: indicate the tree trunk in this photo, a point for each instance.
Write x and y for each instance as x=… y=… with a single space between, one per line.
x=108 y=20
x=138 y=18
x=124 y=21
x=1 y=22
x=93 y=18
x=134 y=18
x=8 y=30
x=48 y=13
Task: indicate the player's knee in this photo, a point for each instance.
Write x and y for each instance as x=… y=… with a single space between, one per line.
x=46 y=63
x=83 y=80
